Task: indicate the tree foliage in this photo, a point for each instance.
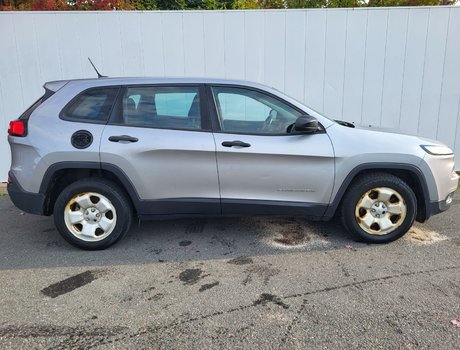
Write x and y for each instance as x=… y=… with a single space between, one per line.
x=88 y=5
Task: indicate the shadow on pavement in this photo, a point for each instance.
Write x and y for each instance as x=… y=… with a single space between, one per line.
x=31 y=241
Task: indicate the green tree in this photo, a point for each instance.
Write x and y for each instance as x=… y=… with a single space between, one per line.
x=293 y=4
x=259 y=4
x=226 y=4
x=246 y=4
x=379 y=3
x=58 y=5
x=272 y=4
x=345 y=3
x=170 y=4
x=144 y=5
x=200 y=4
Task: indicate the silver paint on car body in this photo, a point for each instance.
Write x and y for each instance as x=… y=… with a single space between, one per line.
x=168 y=164
x=165 y=163
x=273 y=162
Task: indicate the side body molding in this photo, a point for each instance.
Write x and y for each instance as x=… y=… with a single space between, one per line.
x=149 y=208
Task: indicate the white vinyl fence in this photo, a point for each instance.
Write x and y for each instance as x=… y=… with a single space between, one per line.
x=389 y=67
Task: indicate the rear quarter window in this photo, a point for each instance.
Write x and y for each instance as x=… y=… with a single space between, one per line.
x=93 y=105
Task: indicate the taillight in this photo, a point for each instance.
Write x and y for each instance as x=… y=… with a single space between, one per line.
x=17 y=128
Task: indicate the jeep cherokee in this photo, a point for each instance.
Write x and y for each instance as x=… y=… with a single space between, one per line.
x=96 y=153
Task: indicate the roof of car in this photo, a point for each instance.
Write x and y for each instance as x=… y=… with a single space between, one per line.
x=154 y=80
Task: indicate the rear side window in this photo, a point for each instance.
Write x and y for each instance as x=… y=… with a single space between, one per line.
x=93 y=105
x=171 y=107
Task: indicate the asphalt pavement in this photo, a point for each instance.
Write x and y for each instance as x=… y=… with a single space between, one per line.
x=233 y=283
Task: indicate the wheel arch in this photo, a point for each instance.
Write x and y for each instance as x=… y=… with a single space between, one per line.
x=411 y=174
x=62 y=174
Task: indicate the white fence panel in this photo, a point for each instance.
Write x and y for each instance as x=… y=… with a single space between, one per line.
x=394 y=68
x=152 y=44
x=214 y=50
x=413 y=74
x=449 y=108
x=390 y=67
x=254 y=39
x=194 y=45
x=334 y=70
x=374 y=66
x=294 y=73
x=355 y=50
x=275 y=47
x=314 y=58
x=433 y=72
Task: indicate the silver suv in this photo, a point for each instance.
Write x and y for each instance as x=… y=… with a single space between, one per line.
x=98 y=152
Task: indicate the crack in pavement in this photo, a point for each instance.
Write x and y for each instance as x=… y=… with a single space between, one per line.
x=80 y=336
x=34 y=331
x=340 y=264
x=294 y=321
x=176 y=323
x=348 y=285
x=371 y=280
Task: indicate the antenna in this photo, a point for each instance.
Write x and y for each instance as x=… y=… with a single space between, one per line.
x=99 y=75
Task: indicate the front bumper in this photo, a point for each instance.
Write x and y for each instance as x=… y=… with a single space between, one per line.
x=439 y=207
x=29 y=202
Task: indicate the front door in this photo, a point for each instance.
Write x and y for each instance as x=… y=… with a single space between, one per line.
x=264 y=169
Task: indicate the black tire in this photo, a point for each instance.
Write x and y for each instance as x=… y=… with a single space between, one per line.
x=365 y=185
x=123 y=212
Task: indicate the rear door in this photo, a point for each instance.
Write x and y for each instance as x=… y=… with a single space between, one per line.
x=264 y=169
x=159 y=137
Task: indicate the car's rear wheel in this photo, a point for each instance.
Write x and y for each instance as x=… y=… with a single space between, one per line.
x=378 y=208
x=92 y=214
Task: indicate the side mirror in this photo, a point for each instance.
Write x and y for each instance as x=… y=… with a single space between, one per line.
x=306 y=124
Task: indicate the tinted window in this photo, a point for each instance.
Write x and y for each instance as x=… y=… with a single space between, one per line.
x=163 y=107
x=92 y=105
x=248 y=111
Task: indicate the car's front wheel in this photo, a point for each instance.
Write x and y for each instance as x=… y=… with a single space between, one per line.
x=378 y=208
x=92 y=214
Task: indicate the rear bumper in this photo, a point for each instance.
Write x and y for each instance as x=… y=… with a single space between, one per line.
x=27 y=201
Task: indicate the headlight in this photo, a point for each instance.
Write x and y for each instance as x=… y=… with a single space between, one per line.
x=437 y=150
